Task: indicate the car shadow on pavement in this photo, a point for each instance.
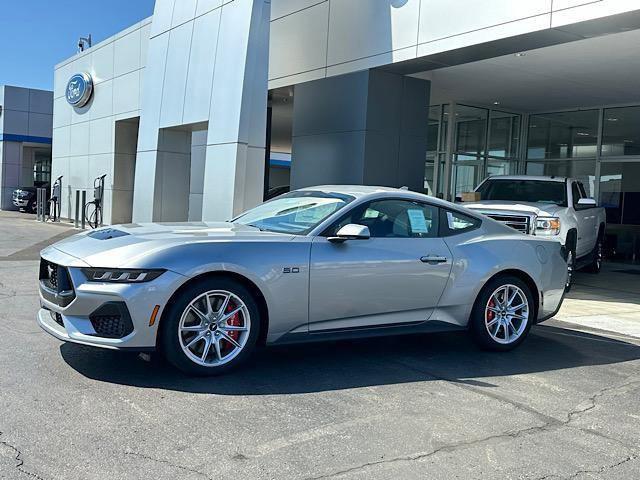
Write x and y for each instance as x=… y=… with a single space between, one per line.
x=362 y=363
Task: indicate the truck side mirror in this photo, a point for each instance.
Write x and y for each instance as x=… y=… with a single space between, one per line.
x=585 y=203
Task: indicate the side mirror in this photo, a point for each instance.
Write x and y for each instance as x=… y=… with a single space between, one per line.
x=351 y=232
x=587 y=203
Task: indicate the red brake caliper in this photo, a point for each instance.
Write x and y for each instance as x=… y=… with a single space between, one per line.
x=235 y=322
x=491 y=314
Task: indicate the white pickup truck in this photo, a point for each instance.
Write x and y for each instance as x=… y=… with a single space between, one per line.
x=555 y=207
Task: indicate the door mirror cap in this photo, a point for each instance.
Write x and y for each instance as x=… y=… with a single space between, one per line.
x=587 y=203
x=351 y=232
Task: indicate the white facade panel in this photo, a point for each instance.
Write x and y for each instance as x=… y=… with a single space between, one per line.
x=183 y=11
x=102 y=103
x=102 y=63
x=363 y=28
x=101 y=136
x=205 y=6
x=280 y=8
x=162 y=16
x=175 y=75
x=126 y=96
x=201 y=65
x=308 y=52
x=127 y=52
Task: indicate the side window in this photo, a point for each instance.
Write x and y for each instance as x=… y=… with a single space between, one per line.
x=583 y=192
x=393 y=219
x=454 y=223
x=575 y=193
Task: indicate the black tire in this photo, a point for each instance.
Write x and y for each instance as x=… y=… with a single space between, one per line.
x=597 y=256
x=169 y=341
x=478 y=321
x=572 y=241
x=32 y=207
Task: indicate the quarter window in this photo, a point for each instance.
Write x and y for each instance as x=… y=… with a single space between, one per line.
x=454 y=223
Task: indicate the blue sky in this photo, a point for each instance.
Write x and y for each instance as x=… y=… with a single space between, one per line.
x=35 y=35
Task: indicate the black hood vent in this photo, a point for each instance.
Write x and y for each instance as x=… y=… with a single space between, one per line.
x=107 y=234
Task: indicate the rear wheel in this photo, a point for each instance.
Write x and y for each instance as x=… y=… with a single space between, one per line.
x=211 y=328
x=597 y=256
x=503 y=314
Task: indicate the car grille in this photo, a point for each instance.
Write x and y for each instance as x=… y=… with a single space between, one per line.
x=521 y=223
x=112 y=320
x=55 y=283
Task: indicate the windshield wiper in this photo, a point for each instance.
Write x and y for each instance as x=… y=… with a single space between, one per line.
x=255 y=226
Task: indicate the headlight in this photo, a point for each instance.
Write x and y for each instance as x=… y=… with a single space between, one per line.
x=121 y=275
x=548 y=226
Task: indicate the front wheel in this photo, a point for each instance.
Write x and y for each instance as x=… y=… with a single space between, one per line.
x=503 y=314
x=211 y=328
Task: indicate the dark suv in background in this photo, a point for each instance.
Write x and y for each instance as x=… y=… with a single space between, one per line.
x=25 y=198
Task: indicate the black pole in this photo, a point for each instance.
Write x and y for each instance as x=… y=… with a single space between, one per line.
x=267 y=153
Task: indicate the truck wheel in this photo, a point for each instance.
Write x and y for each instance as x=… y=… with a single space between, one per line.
x=596 y=263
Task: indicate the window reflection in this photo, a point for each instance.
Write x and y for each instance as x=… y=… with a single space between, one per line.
x=584 y=170
x=563 y=135
x=621 y=135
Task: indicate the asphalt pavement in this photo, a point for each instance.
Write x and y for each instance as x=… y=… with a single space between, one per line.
x=566 y=404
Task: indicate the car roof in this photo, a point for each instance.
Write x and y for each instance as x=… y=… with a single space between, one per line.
x=537 y=178
x=365 y=191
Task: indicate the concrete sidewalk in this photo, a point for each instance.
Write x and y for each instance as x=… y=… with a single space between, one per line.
x=608 y=301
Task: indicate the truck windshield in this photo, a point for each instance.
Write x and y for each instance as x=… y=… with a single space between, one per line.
x=531 y=191
x=296 y=213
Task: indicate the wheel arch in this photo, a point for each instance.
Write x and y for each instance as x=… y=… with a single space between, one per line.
x=525 y=277
x=244 y=281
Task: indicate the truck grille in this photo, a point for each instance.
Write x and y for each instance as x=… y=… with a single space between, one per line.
x=517 y=222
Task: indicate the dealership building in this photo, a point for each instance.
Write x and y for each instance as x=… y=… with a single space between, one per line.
x=198 y=111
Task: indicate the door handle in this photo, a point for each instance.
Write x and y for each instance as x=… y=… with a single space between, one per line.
x=434 y=259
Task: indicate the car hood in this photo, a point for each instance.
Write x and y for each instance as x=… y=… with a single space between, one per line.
x=126 y=246
x=537 y=209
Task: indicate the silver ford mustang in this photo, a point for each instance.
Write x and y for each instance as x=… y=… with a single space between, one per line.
x=319 y=263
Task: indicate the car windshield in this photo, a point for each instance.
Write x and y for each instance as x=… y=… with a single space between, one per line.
x=297 y=212
x=532 y=191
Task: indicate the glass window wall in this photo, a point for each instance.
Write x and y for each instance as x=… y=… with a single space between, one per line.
x=620 y=131
x=563 y=135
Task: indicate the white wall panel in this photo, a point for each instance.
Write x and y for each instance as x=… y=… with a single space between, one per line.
x=205 y=6
x=162 y=16
x=78 y=175
x=299 y=42
x=61 y=142
x=79 y=144
x=126 y=93
x=201 y=65
x=151 y=101
x=102 y=103
x=444 y=18
x=102 y=63
x=62 y=111
x=590 y=11
x=362 y=28
x=562 y=4
x=101 y=136
x=127 y=53
x=183 y=11
x=280 y=8
x=145 y=32
x=175 y=76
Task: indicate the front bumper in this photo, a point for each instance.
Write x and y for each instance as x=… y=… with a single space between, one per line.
x=75 y=321
x=20 y=203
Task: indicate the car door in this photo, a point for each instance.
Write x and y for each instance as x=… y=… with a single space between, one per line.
x=586 y=221
x=397 y=276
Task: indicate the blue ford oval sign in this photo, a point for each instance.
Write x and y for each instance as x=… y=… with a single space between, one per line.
x=79 y=90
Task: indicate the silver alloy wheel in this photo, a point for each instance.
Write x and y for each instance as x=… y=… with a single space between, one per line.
x=507 y=314
x=214 y=328
x=570 y=267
